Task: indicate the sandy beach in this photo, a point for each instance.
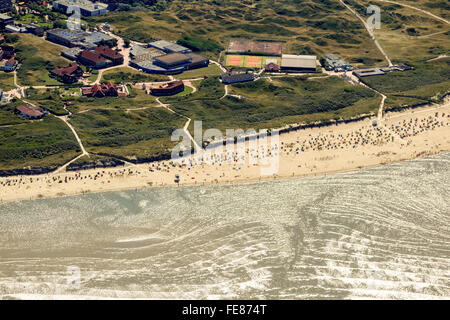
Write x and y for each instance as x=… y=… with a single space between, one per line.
x=399 y=136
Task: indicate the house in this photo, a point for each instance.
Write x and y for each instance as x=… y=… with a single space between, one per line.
x=94 y=60
x=8 y=65
x=87 y=8
x=110 y=54
x=103 y=90
x=169 y=89
x=237 y=76
x=298 y=63
x=31 y=112
x=168 y=47
x=5 y=19
x=69 y=74
x=272 y=67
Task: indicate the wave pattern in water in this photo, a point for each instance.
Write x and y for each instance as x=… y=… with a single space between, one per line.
x=376 y=233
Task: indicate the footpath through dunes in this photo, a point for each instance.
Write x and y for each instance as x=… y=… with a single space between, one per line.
x=323 y=150
x=377 y=233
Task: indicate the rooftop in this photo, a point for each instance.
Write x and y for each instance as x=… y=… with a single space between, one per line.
x=83 y=4
x=173 y=58
x=92 y=56
x=4 y=16
x=298 y=61
x=69 y=34
x=170 y=46
x=30 y=111
x=110 y=53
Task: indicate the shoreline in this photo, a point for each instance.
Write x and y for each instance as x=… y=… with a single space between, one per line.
x=326 y=150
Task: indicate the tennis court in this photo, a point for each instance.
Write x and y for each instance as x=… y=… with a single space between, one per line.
x=250 y=61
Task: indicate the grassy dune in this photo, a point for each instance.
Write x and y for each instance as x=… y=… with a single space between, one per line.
x=309 y=26
x=141 y=133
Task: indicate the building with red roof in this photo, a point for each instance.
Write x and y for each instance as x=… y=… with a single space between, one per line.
x=169 y=89
x=94 y=59
x=31 y=112
x=69 y=74
x=110 y=54
x=103 y=90
x=272 y=67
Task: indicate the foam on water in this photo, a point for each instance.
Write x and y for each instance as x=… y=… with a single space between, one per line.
x=377 y=233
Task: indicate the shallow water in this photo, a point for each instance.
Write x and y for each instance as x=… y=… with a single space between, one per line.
x=377 y=233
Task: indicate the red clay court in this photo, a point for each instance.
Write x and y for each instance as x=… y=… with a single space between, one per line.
x=253 y=61
x=257 y=47
x=234 y=61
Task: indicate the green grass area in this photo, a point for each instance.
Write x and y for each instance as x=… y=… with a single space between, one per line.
x=8 y=116
x=54 y=100
x=135 y=134
x=429 y=81
x=126 y=74
x=44 y=143
x=6 y=81
x=283 y=101
x=407 y=34
x=211 y=70
x=37 y=56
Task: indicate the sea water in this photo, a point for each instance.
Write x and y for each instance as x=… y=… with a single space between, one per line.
x=382 y=232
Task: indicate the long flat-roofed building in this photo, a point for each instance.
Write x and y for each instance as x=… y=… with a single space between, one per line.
x=298 y=63
x=237 y=76
x=172 y=63
x=87 y=8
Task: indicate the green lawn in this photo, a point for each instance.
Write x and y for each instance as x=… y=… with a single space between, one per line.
x=211 y=70
x=137 y=134
x=275 y=104
x=37 y=57
x=429 y=81
x=6 y=81
x=39 y=143
x=127 y=74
